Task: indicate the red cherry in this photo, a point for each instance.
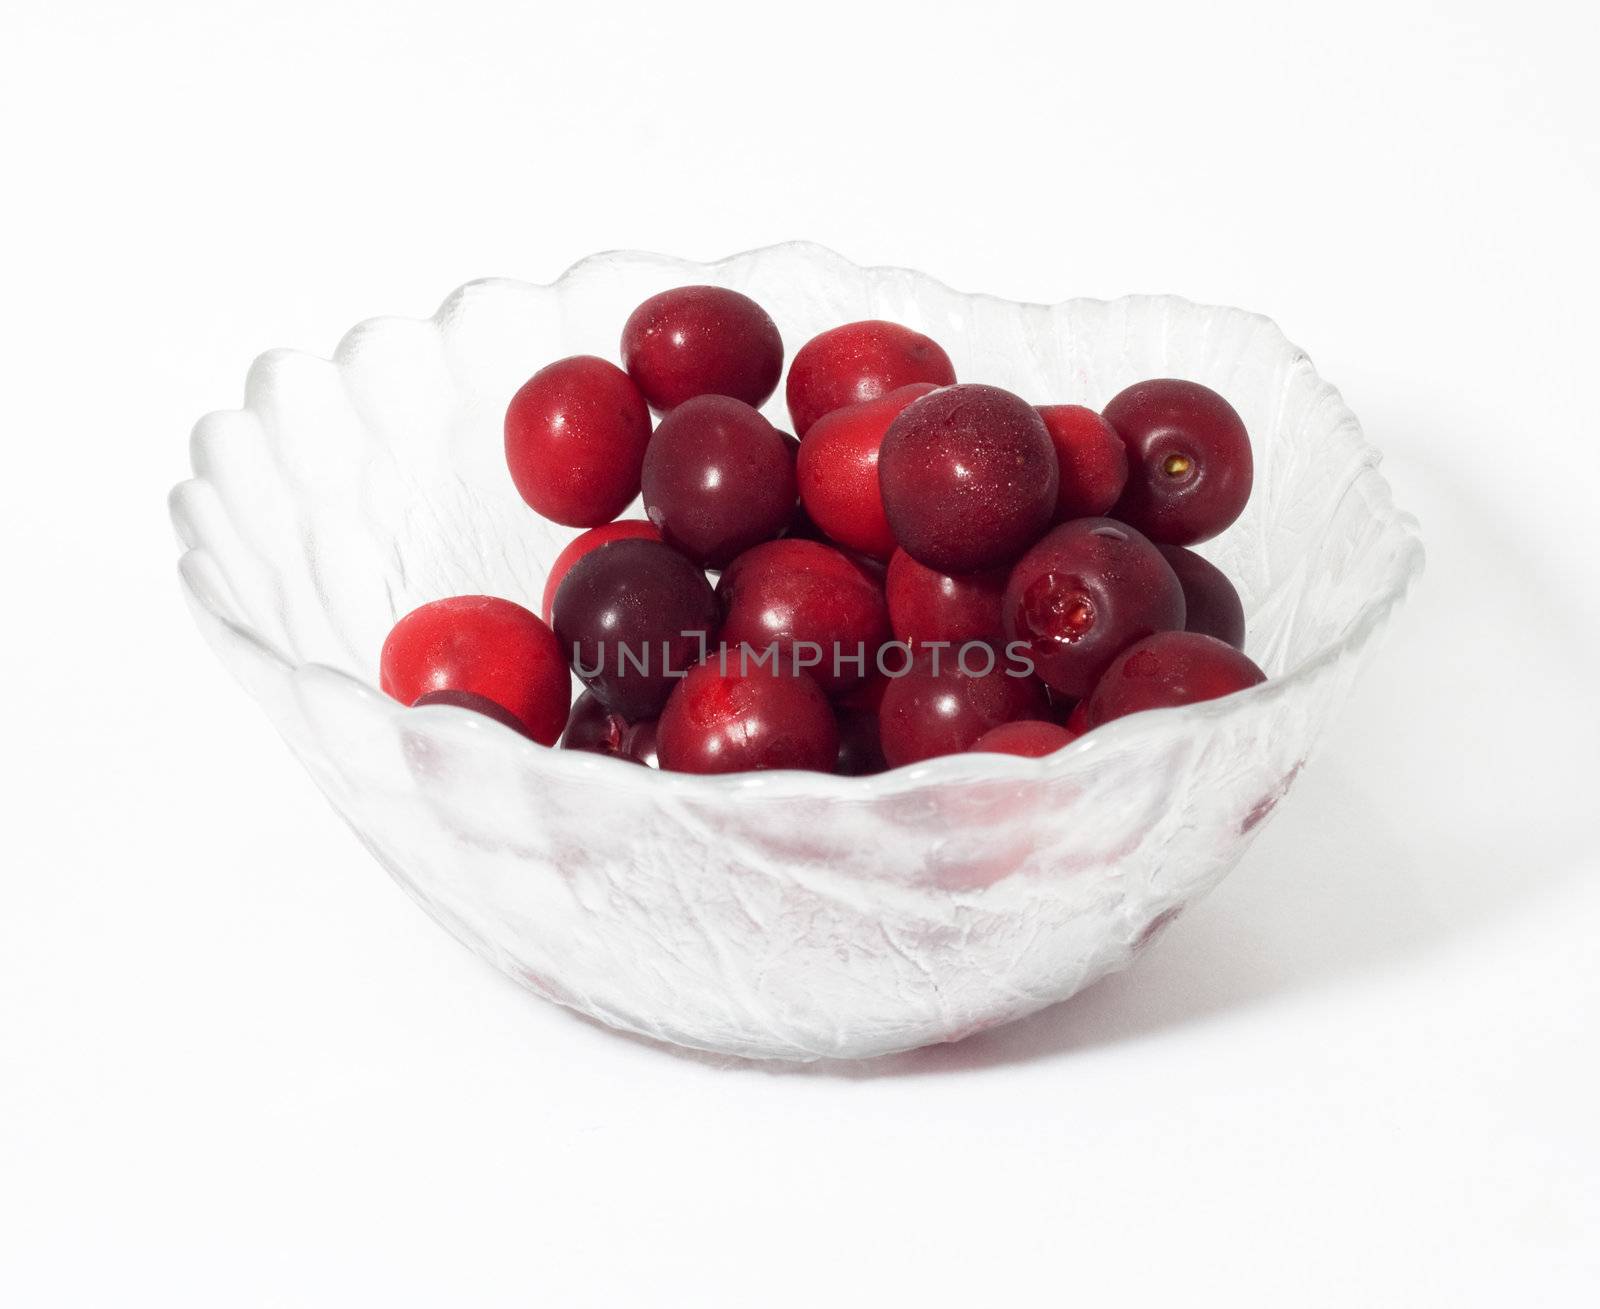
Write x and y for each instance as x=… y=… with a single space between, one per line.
x=702 y=340
x=785 y=594
x=1189 y=464
x=575 y=440
x=624 y=529
x=730 y=720
x=1085 y=593
x=858 y=362
x=718 y=479
x=599 y=730
x=483 y=645
x=1030 y=739
x=478 y=704
x=1213 y=606
x=1170 y=668
x=927 y=713
x=838 y=471
x=969 y=478
x=1092 y=459
x=926 y=605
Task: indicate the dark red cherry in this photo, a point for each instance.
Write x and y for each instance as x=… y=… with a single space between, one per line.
x=575 y=440
x=1092 y=459
x=1084 y=594
x=838 y=471
x=1213 y=607
x=633 y=617
x=718 y=479
x=1031 y=739
x=727 y=720
x=858 y=362
x=599 y=730
x=622 y=530
x=810 y=606
x=478 y=704
x=486 y=646
x=1189 y=464
x=943 y=704
x=969 y=478
x=927 y=605
x=1170 y=668
x=860 y=750
x=702 y=340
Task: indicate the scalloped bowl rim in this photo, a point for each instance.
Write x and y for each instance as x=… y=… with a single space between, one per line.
x=964 y=768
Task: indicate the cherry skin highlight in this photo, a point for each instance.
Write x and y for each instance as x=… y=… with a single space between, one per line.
x=1092 y=460
x=838 y=471
x=718 y=479
x=1168 y=669
x=702 y=340
x=785 y=594
x=575 y=440
x=969 y=478
x=1212 y=605
x=1189 y=463
x=633 y=617
x=598 y=730
x=942 y=710
x=1085 y=593
x=478 y=704
x=622 y=530
x=927 y=605
x=857 y=362
x=1030 y=739
x=726 y=721
x=487 y=647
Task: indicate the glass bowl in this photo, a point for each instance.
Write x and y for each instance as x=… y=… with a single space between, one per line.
x=782 y=915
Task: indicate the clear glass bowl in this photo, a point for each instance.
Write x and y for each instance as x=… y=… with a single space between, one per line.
x=782 y=915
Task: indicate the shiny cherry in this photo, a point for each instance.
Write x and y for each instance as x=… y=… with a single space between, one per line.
x=632 y=617
x=927 y=605
x=929 y=711
x=622 y=530
x=575 y=440
x=1030 y=738
x=486 y=646
x=1083 y=594
x=969 y=478
x=1212 y=606
x=1170 y=668
x=1092 y=459
x=702 y=340
x=478 y=704
x=722 y=719
x=599 y=730
x=857 y=362
x=808 y=603
x=718 y=479
x=1189 y=463
x=838 y=471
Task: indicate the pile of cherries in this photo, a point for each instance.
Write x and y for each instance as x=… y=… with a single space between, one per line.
x=931 y=567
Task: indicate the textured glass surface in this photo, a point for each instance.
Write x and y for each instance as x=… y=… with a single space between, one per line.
x=784 y=915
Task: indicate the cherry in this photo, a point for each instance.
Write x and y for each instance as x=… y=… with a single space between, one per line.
x=786 y=595
x=633 y=616
x=599 y=730
x=478 y=704
x=1167 y=669
x=1213 y=606
x=1085 y=593
x=1189 y=460
x=860 y=749
x=718 y=479
x=484 y=645
x=1092 y=459
x=927 y=605
x=622 y=530
x=1078 y=719
x=1029 y=738
x=723 y=719
x=702 y=340
x=838 y=471
x=938 y=708
x=858 y=362
x=575 y=440
x=969 y=478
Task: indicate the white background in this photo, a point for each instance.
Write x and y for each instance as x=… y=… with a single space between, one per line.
x=238 y=1068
